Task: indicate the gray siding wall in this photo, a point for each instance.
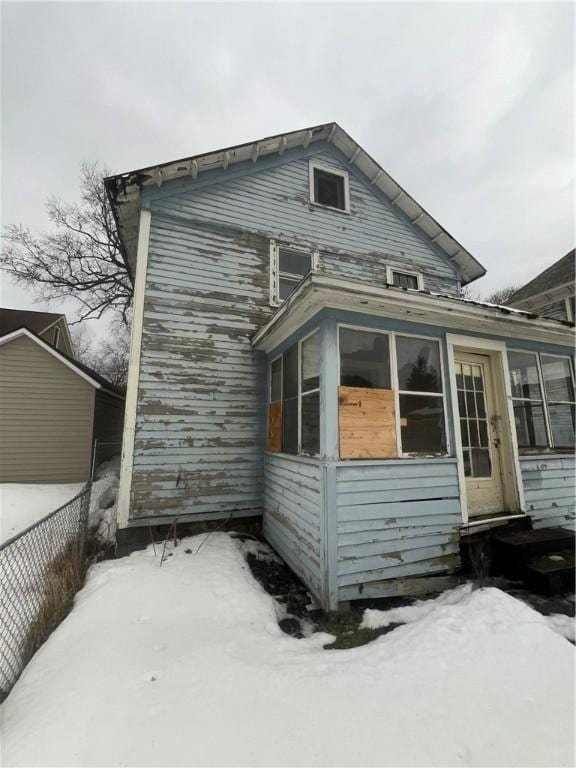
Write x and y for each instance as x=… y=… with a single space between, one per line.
x=395 y=519
x=557 y=310
x=549 y=490
x=46 y=417
x=200 y=425
x=293 y=505
x=275 y=203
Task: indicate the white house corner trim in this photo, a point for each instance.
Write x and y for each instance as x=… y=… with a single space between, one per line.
x=131 y=407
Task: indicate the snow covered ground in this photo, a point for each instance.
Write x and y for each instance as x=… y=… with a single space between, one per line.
x=184 y=664
x=22 y=504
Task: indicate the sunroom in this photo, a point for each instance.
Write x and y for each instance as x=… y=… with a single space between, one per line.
x=398 y=419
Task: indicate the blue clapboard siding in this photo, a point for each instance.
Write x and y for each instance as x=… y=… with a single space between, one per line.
x=292 y=509
x=396 y=519
x=274 y=200
x=549 y=491
x=201 y=425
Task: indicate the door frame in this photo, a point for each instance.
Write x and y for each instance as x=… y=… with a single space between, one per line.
x=512 y=489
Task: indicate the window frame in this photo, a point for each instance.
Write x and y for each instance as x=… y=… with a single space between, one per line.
x=391 y=271
x=544 y=399
x=300 y=394
x=394 y=385
x=316 y=164
x=275 y=248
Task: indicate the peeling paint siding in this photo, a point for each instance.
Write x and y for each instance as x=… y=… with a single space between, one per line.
x=200 y=428
x=395 y=520
x=549 y=490
x=275 y=202
x=292 y=508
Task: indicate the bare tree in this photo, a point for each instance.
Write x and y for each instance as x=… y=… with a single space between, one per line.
x=82 y=259
x=108 y=357
x=501 y=295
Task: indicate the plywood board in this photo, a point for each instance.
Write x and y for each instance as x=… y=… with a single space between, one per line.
x=367 y=422
x=275 y=427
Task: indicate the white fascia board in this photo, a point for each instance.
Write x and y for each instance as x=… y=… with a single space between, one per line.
x=25 y=332
x=320 y=291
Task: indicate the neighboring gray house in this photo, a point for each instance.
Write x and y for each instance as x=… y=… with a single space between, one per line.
x=300 y=352
x=52 y=407
x=551 y=293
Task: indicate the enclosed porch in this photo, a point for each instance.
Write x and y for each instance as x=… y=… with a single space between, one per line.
x=397 y=421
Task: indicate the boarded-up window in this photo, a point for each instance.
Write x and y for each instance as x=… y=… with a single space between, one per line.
x=366 y=417
x=275 y=407
x=367 y=423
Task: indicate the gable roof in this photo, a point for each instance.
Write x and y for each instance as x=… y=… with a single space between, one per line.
x=124 y=189
x=86 y=373
x=558 y=274
x=37 y=322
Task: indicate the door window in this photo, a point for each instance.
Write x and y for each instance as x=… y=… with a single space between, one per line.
x=473 y=420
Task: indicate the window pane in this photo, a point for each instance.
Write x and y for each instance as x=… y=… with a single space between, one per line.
x=290 y=374
x=418 y=364
x=311 y=423
x=530 y=426
x=364 y=359
x=464 y=432
x=562 y=425
x=328 y=189
x=524 y=375
x=483 y=433
x=276 y=380
x=311 y=363
x=557 y=378
x=290 y=425
x=285 y=287
x=293 y=262
x=467 y=465
x=481 y=462
x=402 y=280
x=422 y=424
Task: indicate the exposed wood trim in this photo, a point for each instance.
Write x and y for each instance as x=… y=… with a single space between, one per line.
x=133 y=371
x=54 y=352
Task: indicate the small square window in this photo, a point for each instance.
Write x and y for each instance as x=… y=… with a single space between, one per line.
x=329 y=187
x=411 y=281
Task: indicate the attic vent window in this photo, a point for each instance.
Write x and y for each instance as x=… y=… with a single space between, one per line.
x=411 y=281
x=329 y=187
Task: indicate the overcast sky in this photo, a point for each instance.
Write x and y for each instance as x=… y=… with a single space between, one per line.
x=469 y=106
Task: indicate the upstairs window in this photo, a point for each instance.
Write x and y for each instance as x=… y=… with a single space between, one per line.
x=411 y=281
x=329 y=187
x=288 y=266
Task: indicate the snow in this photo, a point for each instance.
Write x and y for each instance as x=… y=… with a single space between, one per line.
x=22 y=504
x=103 y=498
x=184 y=664
x=563 y=624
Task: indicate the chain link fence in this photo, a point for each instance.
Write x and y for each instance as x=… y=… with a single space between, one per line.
x=41 y=569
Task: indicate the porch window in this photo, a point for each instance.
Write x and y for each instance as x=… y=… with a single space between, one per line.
x=543 y=398
x=420 y=395
x=294 y=408
x=559 y=389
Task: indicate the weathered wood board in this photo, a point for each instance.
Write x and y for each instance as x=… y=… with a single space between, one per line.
x=367 y=423
x=275 y=427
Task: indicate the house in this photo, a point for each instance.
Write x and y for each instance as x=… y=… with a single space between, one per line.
x=300 y=352
x=551 y=293
x=52 y=407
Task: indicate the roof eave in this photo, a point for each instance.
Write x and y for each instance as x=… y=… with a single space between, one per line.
x=320 y=291
x=124 y=189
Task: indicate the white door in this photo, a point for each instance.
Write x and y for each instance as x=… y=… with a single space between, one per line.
x=479 y=433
